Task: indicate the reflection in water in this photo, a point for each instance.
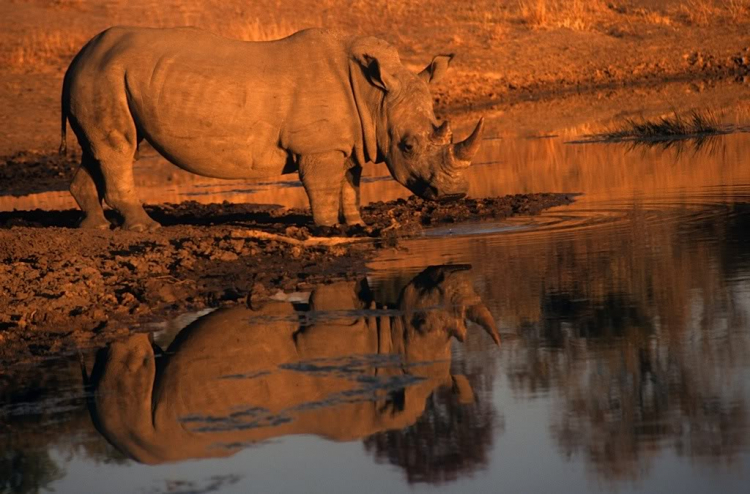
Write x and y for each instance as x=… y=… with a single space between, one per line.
x=635 y=330
x=626 y=348
x=238 y=376
x=448 y=440
x=41 y=413
x=655 y=356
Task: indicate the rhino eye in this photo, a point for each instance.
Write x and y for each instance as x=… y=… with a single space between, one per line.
x=407 y=145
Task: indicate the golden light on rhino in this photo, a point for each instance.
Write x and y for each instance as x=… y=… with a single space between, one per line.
x=318 y=103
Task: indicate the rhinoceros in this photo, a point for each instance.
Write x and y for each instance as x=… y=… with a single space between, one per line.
x=318 y=102
x=240 y=375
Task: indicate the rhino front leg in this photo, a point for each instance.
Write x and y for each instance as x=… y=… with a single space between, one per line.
x=322 y=175
x=349 y=202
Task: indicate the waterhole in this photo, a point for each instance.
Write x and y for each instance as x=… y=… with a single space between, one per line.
x=623 y=362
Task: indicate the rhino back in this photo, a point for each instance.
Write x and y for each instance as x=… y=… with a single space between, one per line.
x=221 y=107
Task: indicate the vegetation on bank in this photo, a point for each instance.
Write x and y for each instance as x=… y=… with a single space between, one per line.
x=676 y=126
x=696 y=128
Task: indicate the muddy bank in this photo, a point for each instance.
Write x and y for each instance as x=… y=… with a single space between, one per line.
x=62 y=288
x=28 y=172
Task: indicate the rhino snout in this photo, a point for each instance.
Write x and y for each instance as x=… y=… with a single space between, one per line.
x=451 y=197
x=439 y=192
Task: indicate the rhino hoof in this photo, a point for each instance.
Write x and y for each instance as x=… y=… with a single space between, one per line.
x=94 y=223
x=141 y=226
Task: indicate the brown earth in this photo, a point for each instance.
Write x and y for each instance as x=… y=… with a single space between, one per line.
x=63 y=288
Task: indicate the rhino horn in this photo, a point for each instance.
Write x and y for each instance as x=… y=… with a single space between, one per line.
x=465 y=150
x=443 y=134
x=480 y=314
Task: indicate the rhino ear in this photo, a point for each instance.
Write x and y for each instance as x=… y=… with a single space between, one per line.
x=437 y=68
x=378 y=76
x=379 y=62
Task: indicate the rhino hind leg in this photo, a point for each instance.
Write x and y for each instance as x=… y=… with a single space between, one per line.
x=116 y=161
x=321 y=175
x=349 y=197
x=109 y=139
x=87 y=191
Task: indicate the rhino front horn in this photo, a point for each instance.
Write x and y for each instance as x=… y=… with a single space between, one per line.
x=481 y=315
x=465 y=150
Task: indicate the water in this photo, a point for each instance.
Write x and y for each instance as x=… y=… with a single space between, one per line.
x=624 y=362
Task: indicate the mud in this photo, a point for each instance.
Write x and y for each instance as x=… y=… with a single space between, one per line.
x=28 y=172
x=62 y=288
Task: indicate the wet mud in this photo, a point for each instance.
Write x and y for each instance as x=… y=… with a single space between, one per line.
x=27 y=172
x=62 y=288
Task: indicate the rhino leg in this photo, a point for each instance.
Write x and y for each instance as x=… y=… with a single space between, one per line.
x=88 y=194
x=119 y=186
x=321 y=175
x=349 y=200
x=107 y=133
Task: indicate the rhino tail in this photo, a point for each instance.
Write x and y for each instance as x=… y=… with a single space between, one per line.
x=63 y=150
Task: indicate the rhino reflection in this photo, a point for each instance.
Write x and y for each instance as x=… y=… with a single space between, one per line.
x=448 y=440
x=237 y=376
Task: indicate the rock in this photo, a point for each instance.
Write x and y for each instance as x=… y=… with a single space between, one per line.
x=224 y=255
x=258 y=296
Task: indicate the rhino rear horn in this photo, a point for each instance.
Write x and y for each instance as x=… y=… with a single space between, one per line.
x=481 y=315
x=443 y=134
x=465 y=150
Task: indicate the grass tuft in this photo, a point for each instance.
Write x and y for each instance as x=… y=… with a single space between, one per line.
x=698 y=130
x=42 y=50
x=692 y=124
x=577 y=15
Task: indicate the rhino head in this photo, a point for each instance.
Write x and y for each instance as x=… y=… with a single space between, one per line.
x=427 y=328
x=400 y=127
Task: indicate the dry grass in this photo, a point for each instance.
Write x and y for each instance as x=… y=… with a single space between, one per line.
x=582 y=15
x=675 y=125
x=578 y=15
x=236 y=24
x=254 y=30
x=653 y=17
x=51 y=43
x=42 y=50
x=706 y=12
x=67 y=4
x=494 y=24
x=697 y=130
x=698 y=12
x=738 y=10
x=45 y=50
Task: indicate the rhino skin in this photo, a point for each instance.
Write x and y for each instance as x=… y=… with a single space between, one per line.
x=238 y=375
x=317 y=102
